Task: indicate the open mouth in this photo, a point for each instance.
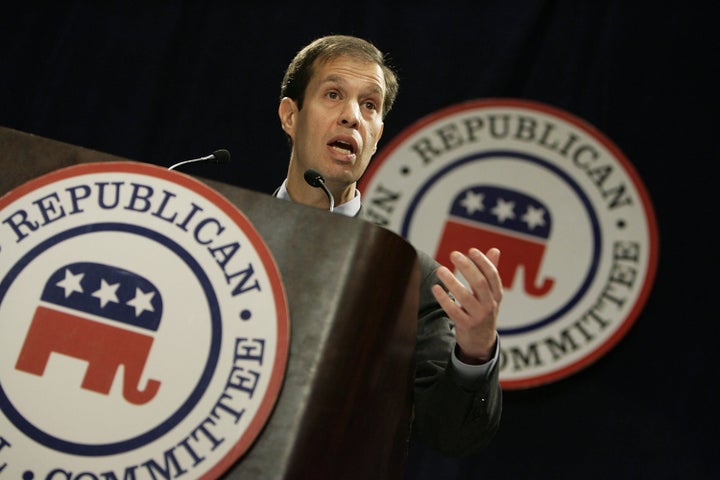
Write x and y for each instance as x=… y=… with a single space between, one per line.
x=342 y=147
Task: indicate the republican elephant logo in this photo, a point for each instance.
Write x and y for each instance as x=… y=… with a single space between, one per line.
x=103 y=315
x=518 y=224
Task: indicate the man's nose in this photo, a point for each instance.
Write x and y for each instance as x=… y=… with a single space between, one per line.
x=350 y=114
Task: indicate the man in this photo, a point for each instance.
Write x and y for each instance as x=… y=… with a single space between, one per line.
x=334 y=98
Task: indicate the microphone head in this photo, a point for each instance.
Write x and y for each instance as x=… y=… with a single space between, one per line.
x=313 y=178
x=221 y=156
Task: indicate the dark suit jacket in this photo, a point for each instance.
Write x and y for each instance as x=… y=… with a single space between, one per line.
x=451 y=415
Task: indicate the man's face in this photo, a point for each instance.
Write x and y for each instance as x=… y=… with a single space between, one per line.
x=337 y=130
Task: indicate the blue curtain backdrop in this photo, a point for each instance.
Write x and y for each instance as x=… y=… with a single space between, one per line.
x=162 y=82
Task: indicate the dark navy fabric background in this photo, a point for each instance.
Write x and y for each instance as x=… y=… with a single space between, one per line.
x=162 y=82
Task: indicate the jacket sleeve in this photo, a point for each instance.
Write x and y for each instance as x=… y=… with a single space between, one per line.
x=451 y=415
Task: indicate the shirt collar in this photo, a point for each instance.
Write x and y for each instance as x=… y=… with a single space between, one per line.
x=349 y=209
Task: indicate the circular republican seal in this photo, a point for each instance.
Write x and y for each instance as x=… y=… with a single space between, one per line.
x=569 y=213
x=143 y=326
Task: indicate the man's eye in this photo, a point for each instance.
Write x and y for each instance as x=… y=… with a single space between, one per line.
x=370 y=105
x=333 y=95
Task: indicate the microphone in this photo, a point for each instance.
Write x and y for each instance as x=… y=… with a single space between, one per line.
x=218 y=156
x=314 y=179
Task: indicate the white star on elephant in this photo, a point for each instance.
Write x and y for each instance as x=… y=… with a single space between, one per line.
x=504 y=210
x=473 y=202
x=106 y=293
x=141 y=301
x=71 y=282
x=534 y=217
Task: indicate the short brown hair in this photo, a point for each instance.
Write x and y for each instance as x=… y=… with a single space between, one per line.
x=298 y=74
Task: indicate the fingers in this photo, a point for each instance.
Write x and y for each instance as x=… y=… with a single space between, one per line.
x=493 y=255
x=487 y=266
x=483 y=288
x=472 y=306
x=480 y=272
x=448 y=304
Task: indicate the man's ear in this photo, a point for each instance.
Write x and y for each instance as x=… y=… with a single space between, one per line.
x=287 y=111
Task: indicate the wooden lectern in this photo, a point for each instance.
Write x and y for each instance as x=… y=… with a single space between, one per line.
x=345 y=405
